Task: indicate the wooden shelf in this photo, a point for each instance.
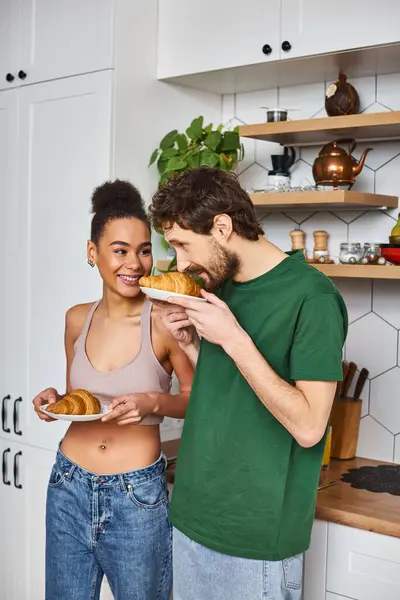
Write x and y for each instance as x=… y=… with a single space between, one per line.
x=328 y=200
x=360 y=271
x=364 y=127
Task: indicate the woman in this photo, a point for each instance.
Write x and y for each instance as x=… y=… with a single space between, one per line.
x=107 y=497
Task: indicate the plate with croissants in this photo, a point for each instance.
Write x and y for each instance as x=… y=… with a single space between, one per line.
x=169 y=285
x=79 y=405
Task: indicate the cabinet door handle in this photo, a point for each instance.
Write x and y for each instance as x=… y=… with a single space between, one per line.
x=15 y=417
x=22 y=75
x=286 y=46
x=16 y=470
x=5 y=480
x=4 y=414
x=266 y=49
x=10 y=77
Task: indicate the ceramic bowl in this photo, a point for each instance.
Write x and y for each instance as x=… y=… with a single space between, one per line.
x=391 y=252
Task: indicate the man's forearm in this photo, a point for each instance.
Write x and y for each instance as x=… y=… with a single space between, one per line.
x=169 y=405
x=287 y=403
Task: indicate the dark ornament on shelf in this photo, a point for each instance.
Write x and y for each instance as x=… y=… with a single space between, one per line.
x=341 y=98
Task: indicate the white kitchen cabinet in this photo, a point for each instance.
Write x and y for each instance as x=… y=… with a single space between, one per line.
x=62 y=146
x=313 y=27
x=205 y=36
x=7 y=530
x=9 y=38
x=64 y=152
x=330 y=596
x=315 y=560
x=42 y=40
x=10 y=367
x=362 y=565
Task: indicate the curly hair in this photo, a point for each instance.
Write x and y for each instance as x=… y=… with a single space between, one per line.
x=115 y=200
x=195 y=197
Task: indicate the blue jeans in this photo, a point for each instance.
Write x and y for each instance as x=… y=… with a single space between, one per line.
x=115 y=525
x=202 y=574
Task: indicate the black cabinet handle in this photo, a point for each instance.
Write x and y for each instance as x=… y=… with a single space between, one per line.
x=4 y=414
x=5 y=480
x=286 y=46
x=16 y=471
x=22 y=75
x=266 y=49
x=10 y=77
x=15 y=417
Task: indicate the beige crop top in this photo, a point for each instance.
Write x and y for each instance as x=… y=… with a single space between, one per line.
x=142 y=374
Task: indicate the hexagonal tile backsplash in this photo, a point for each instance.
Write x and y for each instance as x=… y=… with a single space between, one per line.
x=374 y=307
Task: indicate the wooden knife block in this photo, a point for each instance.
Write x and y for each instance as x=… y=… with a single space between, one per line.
x=345 y=422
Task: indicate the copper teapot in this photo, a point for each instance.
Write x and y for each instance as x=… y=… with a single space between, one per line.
x=335 y=167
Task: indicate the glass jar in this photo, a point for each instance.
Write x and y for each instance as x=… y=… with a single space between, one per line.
x=371 y=254
x=350 y=253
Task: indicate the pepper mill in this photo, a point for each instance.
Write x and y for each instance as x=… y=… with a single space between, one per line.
x=298 y=240
x=321 y=254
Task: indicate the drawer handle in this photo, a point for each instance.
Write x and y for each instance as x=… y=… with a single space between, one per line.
x=16 y=471
x=15 y=417
x=266 y=49
x=4 y=414
x=5 y=480
x=10 y=77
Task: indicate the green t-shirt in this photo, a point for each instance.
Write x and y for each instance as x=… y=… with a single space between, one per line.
x=243 y=485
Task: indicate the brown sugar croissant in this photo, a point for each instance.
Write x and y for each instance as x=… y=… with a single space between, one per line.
x=78 y=402
x=172 y=282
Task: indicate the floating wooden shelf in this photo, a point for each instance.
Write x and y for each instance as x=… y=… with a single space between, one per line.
x=354 y=271
x=360 y=271
x=364 y=127
x=326 y=200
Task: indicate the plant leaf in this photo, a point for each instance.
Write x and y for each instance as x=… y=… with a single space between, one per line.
x=208 y=129
x=153 y=157
x=182 y=142
x=208 y=158
x=168 y=140
x=226 y=162
x=166 y=154
x=193 y=160
x=164 y=243
x=195 y=130
x=176 y=163
x=161 y=165
x=213 y=140
x=231 y=141
x=220 y=127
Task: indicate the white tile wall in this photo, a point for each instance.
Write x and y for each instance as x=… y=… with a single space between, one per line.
x=374 y=307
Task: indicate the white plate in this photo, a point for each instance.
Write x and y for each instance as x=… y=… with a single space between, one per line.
x=163 y=295
x=104 y=411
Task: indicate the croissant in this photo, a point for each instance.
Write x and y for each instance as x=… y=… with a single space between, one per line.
x=78 y=402
x=172 y=282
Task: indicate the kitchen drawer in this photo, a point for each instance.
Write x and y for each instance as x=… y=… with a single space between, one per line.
x=330 y=596
x=362 y=565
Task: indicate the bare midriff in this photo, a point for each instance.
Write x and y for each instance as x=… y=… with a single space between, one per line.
x=109 y=448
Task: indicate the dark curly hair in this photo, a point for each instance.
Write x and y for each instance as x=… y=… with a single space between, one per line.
x=115 y=200
x=195 y=197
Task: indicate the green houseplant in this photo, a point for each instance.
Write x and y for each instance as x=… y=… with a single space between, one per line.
x=199 y=146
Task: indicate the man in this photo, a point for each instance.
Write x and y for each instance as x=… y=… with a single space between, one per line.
x=266 y=374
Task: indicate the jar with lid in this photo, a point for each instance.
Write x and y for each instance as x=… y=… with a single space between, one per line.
x=350 y=253
x=371 y=254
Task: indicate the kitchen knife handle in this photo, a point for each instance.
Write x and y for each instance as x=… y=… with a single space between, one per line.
x=362 y=378
x=349 y=378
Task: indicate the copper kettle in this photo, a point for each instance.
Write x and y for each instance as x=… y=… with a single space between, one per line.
x=335 y=167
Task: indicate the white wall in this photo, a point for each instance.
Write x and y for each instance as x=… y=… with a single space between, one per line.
x=146 y=109
x=374 y=307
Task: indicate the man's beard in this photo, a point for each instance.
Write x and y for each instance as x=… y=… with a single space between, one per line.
x=222 y=266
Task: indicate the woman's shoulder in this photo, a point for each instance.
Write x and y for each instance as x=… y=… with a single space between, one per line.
x=75 y=318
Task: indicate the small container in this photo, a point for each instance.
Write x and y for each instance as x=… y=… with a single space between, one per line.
x=371 y=254
x=274 y=115
x=350 y=253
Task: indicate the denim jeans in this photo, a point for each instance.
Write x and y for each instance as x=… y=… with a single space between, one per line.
x=202 y=574
x=115 y=525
